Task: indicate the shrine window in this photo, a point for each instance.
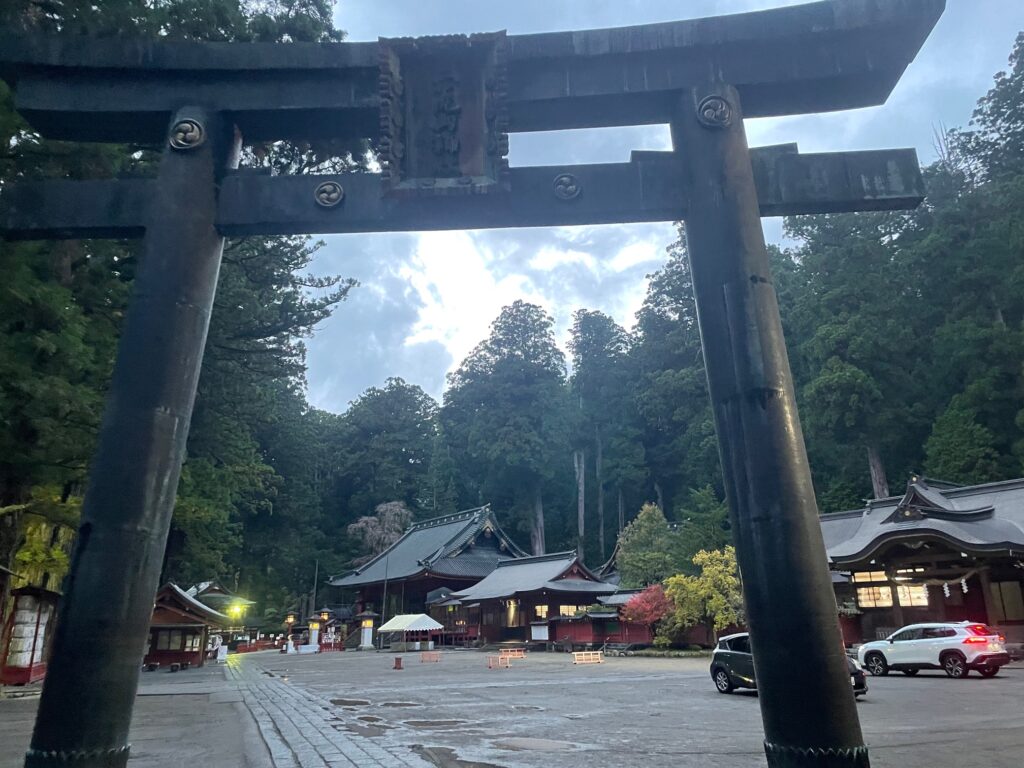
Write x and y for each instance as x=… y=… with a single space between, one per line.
x=541 y=611
x=868 y=576
x=874 y=597
x=913 y=596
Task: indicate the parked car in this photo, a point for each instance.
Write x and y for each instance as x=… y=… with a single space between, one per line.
x=956 y=647
x=732 y=666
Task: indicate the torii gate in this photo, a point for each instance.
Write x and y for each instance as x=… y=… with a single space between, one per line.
x=440 y=110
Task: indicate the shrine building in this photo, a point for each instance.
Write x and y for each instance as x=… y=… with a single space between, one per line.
x=524 y=599
x=451 y=552
x=939 y=552
x=180 y=628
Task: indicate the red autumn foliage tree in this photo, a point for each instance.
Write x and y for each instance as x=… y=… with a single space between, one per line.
x=647 y=608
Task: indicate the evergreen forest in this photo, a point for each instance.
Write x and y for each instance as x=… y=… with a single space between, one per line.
x=905 y=334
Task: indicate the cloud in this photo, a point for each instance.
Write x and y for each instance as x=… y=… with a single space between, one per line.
x=427 y=299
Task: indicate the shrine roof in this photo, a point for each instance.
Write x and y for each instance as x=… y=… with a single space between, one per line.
x=556 y=572
x=978 y=520
x=173 y=598
x=621 y=597
x=442 y=546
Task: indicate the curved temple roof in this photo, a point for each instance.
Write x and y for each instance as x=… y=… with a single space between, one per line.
x=443 y=546
x=982 y=519
x=555 y=572
x=829 y=55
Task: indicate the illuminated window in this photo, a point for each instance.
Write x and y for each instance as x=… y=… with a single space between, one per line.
x=191 y=642
x=874 y=597
x=542 y=611
x=870 y=576
x=913 y=597
x=568 y=610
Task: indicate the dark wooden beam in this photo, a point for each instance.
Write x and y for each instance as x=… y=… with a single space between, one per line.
x=645 y=189
x=835 y=54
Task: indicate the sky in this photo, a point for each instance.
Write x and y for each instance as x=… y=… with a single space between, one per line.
x=426 y=299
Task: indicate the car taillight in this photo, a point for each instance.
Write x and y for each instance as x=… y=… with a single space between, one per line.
x=1002 y=639
x=975 y=640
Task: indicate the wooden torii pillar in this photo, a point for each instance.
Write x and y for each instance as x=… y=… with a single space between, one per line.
x=439 y=110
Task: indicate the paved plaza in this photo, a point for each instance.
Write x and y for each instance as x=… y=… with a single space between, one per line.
x=353 y=709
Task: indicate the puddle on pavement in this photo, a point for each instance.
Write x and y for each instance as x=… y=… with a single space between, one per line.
x=443 y=757
x=350 y=702
x=369 y=731
x=399 y=704
x=535 y=745
x=371 y=719
x=433 y=723
x=527 y=708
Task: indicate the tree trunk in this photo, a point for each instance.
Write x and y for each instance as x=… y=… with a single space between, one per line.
x=661 y=497
x=622 y=511
x=879 y=483
x=537 y=531
x=598 y=460
x=579 y=461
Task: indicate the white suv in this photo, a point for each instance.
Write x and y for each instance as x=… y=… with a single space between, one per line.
x=956 y=648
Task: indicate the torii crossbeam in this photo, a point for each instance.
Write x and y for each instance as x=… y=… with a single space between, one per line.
x=438 y=111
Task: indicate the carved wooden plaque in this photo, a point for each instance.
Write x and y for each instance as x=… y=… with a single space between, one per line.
x=444 y=115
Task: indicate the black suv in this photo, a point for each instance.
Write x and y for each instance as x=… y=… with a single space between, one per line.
x=732 y=666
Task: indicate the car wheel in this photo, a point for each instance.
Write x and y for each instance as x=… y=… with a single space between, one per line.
x=722 y=681
x=875 y=664
x=955 y=665
x=910 y=672
x=988 y=671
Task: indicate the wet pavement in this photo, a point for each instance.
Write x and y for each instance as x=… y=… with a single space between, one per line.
x=266 y=710
x=545 y=711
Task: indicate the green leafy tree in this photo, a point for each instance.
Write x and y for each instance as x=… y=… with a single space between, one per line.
x=712 y=598
x=703 y=524
x=648 y=552
x=599 y=385
x=383 y=446
x=679 y=446
x=960 y=449
x=506 y=414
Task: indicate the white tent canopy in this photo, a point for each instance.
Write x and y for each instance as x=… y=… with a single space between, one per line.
x=410 y=622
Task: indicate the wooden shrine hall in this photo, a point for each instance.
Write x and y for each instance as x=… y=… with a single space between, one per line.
x=939 y=552
x=180 y=628
x=450 y=552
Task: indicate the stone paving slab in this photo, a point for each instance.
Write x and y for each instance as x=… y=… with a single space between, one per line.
x=301 y=729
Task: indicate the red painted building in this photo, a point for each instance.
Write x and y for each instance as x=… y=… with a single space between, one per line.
x=180 y=628
x=522 y=600
x=451 y=552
